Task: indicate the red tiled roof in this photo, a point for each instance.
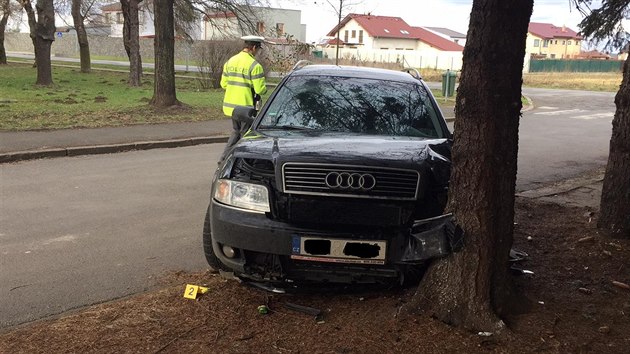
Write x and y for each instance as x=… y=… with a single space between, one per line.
x=435 y=40
x=220 y=15
x=396 y=27
x=116 y=6
x=378 y=26
x=548 y=31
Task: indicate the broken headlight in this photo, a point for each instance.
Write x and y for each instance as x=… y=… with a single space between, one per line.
x=248 y=196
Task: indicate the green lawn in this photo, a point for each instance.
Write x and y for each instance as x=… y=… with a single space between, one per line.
x=100 y=98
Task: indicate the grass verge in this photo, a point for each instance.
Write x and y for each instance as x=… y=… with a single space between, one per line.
x=101 y=98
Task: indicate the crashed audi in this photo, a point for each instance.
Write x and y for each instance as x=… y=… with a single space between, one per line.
x=342 y=177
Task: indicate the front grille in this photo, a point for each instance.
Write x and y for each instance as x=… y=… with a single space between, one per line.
x=377 y=182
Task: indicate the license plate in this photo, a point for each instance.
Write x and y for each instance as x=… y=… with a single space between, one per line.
x=319 y=249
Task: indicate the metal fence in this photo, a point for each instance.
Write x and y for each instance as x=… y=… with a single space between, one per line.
x=564 y=65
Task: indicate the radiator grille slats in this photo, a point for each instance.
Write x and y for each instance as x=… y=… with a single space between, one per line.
x=308 y=178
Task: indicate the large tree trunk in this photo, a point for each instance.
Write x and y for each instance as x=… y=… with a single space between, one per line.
x=131 y=40
x=6 y=11
x=470 y=288
x=32 y=24
x=615 y=204
x=82 y=38
x=164 y=88
x=44 y=37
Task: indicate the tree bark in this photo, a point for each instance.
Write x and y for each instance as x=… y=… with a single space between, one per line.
x=615 y=203
x=44 y=37
x=471 y=288
x=32 y=24
x=82 y=38
x=6 y=11
x=131 y=40
x=164 y=94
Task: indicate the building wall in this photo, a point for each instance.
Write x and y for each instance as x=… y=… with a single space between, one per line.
x=395 y=44
x=557 y=48
x=221 y=28
x=353 y=25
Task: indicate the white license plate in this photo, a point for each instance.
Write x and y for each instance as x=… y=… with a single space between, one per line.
x=319 y=249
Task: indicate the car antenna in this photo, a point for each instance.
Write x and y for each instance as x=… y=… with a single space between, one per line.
x=413 y=72
x=300 y=64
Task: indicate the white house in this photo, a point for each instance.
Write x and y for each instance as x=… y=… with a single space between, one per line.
x=449 y=34
x=270 y=22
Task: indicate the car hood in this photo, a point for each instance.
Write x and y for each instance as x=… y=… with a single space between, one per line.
x=361 y=150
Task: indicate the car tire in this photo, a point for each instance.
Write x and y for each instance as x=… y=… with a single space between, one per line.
x=211 y=258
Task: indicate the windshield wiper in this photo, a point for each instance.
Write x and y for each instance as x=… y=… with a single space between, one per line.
x=285 y=127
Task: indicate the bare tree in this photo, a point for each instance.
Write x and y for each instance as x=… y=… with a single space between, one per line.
x=32 y=23
x=605 y=23
x=164 y=94
x=44 y=37
x=5 y=9
x=470 y=288
x=131 y=40
x=78 y=18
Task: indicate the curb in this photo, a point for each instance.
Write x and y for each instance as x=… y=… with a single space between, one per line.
x=107 y=149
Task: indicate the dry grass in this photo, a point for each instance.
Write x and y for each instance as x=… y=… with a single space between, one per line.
x=575 y=81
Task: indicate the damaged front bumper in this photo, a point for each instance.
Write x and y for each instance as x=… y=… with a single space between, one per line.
x=267 y=249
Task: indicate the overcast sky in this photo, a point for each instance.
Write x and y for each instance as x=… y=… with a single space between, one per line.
x=320 y=18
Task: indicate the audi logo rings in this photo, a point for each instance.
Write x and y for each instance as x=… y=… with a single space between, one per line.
x=354 y=181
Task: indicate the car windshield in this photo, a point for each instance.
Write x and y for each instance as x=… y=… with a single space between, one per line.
x=352 y=105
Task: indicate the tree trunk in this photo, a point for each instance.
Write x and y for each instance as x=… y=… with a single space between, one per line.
x=32 y=25
x=164 y=88
x=615 y=204
x=471 y=288
x=82 y=38
x=131 y=40
x=44 y=37
x=6 y=11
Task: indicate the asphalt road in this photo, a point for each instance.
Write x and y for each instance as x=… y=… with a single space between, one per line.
x=82 y=230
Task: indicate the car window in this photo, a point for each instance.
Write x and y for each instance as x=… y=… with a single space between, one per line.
x=352 y=105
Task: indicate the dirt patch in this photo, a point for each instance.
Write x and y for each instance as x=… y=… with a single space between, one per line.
x=576 y=307
x=100 y=99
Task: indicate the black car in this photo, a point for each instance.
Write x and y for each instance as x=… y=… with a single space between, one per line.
x=341 y=177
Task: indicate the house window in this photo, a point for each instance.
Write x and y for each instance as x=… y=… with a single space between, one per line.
x=555 y=42
x=354 y=34
x=456 y=41
x=553 y=56
x=361 y=36
x=404 y=31
x=545 y=43
x=536 y=42
x=386 y=30
x=261 y=27
x=280 y=29
x=577 y=42
x=400 y=48
x=345 y=36
x=569 y=43
x=119 y=17
x=564 y=42
x=384 y=48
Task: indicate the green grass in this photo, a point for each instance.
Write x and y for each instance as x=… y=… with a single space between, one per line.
x=98 y=99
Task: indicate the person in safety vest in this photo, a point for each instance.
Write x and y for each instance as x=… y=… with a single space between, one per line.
x=243 y=79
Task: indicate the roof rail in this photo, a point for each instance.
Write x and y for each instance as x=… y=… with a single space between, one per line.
x=413 y=72
x=300 y=64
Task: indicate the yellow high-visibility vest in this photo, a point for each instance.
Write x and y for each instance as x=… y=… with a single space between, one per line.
x=242 y=77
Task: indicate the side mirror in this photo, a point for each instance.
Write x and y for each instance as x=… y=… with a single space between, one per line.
x=243 y=117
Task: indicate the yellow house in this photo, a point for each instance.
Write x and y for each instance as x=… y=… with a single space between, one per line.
x=548 y=41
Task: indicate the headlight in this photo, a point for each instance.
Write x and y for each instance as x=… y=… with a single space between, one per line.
x=243 y=195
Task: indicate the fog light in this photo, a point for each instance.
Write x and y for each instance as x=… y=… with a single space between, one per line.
x=229 y=252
